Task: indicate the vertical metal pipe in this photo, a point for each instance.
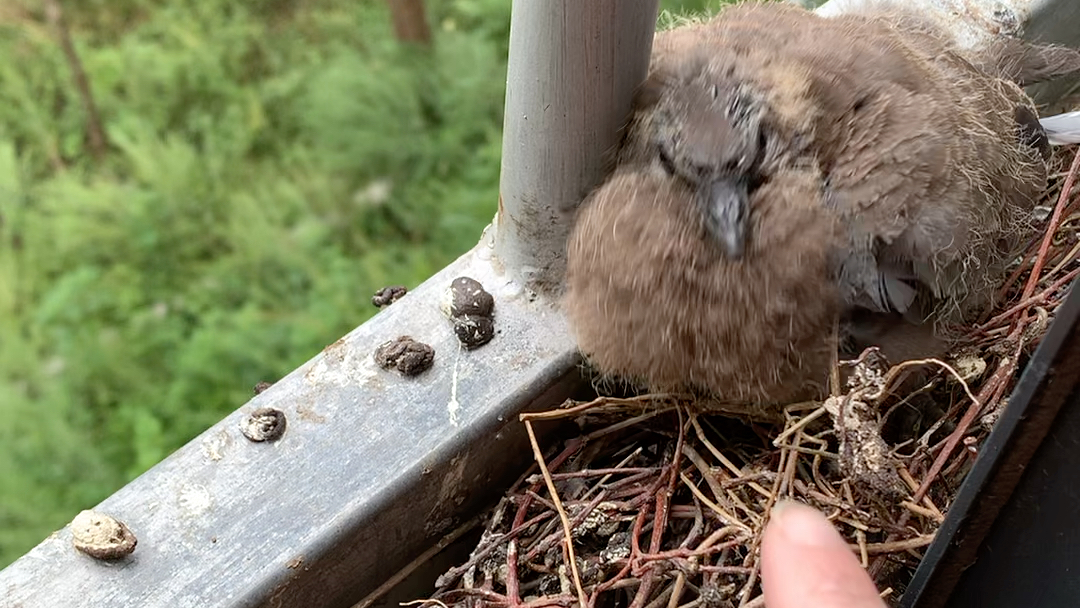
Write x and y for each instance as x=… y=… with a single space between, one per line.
x=571 y=74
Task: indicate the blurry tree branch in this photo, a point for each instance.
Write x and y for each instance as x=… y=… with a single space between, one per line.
x=95 y=133
x=410 y=22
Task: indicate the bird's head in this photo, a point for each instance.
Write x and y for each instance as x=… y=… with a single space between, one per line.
x=707 y=132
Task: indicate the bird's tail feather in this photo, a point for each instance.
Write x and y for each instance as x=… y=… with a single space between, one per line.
x=1026 y=63
x=1062 y=129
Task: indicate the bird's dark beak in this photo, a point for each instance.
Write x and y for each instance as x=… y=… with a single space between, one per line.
x=726 y=211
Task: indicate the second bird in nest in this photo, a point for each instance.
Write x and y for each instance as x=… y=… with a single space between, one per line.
x=782 y=170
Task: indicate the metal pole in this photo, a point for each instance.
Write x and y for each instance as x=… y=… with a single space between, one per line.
x=571 y=74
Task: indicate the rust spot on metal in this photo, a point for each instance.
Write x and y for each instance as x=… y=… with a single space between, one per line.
x=336 y=350
x=304 y=412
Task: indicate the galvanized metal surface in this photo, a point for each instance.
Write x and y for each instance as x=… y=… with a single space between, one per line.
x=971 y=22
x=373 y=468
x=572 y=71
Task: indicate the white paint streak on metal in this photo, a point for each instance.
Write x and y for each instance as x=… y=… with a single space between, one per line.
x=453 y=407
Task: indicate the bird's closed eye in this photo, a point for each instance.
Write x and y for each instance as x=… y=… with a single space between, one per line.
x=666 y=161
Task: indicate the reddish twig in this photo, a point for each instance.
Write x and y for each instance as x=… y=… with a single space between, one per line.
x=1004 y=371
x=513 y=593
x=1055 y=219
x=635 y=551
x=1030 y=301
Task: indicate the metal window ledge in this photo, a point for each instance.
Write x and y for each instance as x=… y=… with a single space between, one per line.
x=373 y=468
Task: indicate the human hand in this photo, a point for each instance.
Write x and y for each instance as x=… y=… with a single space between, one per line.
x=805 y=562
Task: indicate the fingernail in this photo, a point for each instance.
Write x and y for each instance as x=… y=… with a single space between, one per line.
x=804 y=525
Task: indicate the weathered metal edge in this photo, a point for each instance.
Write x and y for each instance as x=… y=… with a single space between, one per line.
x=373 y=468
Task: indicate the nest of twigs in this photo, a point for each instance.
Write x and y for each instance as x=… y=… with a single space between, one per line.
x=665 y=507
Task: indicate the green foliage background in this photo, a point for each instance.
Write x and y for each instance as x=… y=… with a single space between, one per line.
x=271 y=164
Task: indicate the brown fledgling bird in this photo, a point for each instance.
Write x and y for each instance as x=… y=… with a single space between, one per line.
x=782 y=170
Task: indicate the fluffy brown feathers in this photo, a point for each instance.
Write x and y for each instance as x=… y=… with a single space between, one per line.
x=782 y=170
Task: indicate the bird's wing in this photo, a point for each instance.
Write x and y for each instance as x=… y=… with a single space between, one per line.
x=894 y=174
x=932 y=175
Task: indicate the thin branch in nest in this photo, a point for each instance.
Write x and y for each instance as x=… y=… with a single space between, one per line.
x=729 y=498
x=622 y=425
x=895 y=371
x=558 y=506
x=677 y=591
x=755 y=546
x=834 y=367
x=897 y=546
x=724 y=515
x=423 y=602
x=1055 y=219
x=1005 y=370
x=799 y=426
x=1030 y=301
x=930 y=509
x=1065 y=260
x=723 y=459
